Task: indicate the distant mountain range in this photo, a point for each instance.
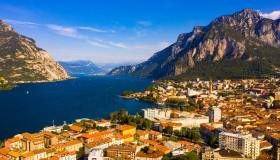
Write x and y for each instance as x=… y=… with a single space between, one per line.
x=240 y=45
x=21 y=60
x=85 y=67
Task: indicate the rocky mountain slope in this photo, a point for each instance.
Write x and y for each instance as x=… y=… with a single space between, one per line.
x=22 y=61
x=81 y=67
x=243 y=44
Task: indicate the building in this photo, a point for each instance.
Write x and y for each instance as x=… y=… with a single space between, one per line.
x=186 y=119
x=32 y=142
x=154 y=113
x=121 y=152
x=245 y=144
x=96 y=154
x=126 y=130
x=211 y=154
x=214 y=114
x=152 y=155
x=103 y=123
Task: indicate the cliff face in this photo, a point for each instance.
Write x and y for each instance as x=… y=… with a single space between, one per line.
x=22 y=61
x=241 y=38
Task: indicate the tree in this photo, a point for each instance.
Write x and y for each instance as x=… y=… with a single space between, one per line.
x=1 y=144
x=188 y=156
x=194 y=135
x=81 y=153
x=66 y=127
x=192 y=156
x=168 y=130
x=213 y=141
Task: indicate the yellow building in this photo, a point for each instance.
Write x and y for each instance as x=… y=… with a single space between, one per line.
x=128 y=132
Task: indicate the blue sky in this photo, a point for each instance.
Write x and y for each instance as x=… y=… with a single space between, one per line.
x=116 y=31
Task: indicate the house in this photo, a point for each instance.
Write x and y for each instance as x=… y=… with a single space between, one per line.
x=100 y=143
x=76 y=129
x=4 y=152
x=126 y=130
x=175 y=126
x=14 y=143
x=103 y=123
x=150 y=155
x=121 y=152
x=32 y=142
x=148 y=134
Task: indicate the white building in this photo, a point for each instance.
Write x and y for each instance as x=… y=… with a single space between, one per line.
x=215 y=114
x=96 y=154
x=191 y=120
x=154 y=113
x=187 y=119
x=245 y=144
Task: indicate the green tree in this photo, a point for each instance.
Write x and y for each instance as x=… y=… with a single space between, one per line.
x=168 y=130
x=1 y=144
x=81 y=153
x=66 y=127
x=213 y=141
x=192 y=156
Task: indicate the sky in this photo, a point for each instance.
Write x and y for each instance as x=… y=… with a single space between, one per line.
x=117 y=31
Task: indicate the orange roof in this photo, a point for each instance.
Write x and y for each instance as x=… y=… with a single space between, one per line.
x=76 y=128
x=12 y=140
x=4 y=151
x=72 y=153
x=66 y=134
x=14 y=154
x=54 y=158
x=150 y=132
x=27 y=154
x=98 y=142
x=73 y=142
x=91 y=131
x=125 y=127
x=151 y=142
x=265 y=144
x=162 y=149
x=103 y=121
x=185 y=143
x=170 y=124
x=98 y=134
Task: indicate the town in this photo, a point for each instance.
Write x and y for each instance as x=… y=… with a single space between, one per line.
x=208 y=120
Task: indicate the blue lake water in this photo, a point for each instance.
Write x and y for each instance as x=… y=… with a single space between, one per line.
x=85 y=97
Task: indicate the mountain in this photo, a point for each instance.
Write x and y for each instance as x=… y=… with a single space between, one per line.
x=109 y=66
x=81 y=67
x=22 y=61
x=240 y=45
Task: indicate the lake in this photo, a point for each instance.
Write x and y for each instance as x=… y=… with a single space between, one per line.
x=30 y=107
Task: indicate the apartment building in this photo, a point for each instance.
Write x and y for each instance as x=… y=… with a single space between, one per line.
x=245 y=144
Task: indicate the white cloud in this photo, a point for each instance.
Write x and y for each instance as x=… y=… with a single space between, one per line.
x=95 y=29
x=12 y=21
x=65 y=31
x=272 y=15
x=144 y=23
x=97 y=44
x=119 y=45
